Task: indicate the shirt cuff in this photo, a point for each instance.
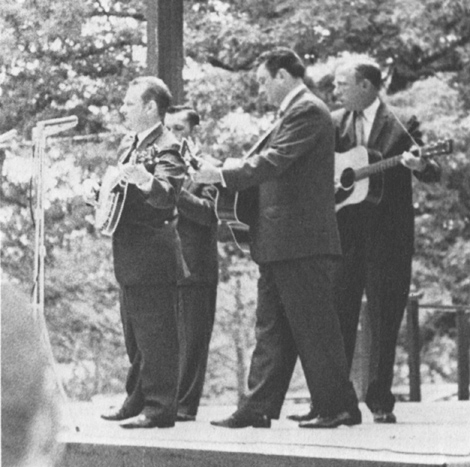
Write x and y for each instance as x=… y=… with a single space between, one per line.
x=230 y=163
x=146 y=186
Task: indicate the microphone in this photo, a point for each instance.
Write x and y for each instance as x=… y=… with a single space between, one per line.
x=8 y=136
x=56 y=125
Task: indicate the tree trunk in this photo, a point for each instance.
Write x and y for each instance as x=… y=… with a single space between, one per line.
x=165 y=57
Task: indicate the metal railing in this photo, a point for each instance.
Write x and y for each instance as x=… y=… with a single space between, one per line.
x=414 y=344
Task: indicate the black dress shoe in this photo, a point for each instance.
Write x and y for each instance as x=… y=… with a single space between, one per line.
x=143 y=421
x=343 y=418
x=244 y=419
x=117 y=415
x=305 y=417
x=384 y=417
x=182 y=417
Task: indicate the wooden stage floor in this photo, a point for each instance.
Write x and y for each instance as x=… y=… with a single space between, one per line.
x=427 y=434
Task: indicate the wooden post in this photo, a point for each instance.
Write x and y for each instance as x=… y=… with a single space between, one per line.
x=414 y=347
x=165 y=57
x=240 y=341
x=360 y=370
x=463 y=355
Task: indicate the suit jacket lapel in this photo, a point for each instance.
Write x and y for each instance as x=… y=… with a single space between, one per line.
x=127 y=145
x=259 y=145
x=380 y=122
x=151 y=137
x=297 y=97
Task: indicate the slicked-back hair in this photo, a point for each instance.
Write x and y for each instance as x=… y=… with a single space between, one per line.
x=370 y=71
x=154 y=90
x=364 y=67
x=284 y=58
x=191 y=115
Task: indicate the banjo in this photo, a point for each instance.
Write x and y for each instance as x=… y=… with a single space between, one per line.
x=111 y=198
x=113 y=191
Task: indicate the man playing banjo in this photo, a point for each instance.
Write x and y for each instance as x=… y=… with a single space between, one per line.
x=147 y=255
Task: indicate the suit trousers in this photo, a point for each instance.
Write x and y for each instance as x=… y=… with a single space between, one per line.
x=296 y=317
x=383 y=271
x=197 y=311
x=150 y=321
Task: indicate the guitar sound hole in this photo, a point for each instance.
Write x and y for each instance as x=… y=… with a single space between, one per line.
x=348 y=178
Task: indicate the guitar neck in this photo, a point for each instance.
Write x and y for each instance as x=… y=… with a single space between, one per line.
x=437 y=149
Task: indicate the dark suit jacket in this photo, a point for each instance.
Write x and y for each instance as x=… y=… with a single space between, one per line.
x=291 y=211
x=393 y=216
x=197 y=227
x=146 y=245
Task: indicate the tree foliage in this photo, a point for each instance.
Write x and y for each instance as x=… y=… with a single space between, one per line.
x=75 y=57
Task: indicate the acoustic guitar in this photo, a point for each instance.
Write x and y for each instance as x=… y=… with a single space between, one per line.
x=230 y=204
x=359 y=172
x=226 y=207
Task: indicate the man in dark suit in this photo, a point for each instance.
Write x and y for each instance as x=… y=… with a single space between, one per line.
x=286 y=195
x=377 y=239
x=148 y=260
x=197 y=227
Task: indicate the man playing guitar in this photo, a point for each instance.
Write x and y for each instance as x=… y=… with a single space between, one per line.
x=376 y=239
x=197 y=227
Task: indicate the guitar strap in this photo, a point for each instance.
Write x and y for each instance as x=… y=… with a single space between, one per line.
x=411 y=125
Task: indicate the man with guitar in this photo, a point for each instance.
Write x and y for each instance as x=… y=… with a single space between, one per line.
x=148 y=259
x=286 y=197
x=376 y=237
x=197 y=227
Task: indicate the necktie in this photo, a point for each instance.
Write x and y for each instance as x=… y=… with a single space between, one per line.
x=131 y=149
x=359 y=128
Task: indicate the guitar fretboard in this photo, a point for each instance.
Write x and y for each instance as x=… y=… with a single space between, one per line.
x=436 y=149
x=377 y=167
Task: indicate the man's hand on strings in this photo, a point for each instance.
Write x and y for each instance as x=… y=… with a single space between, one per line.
x=413 y=162
x=337 y=183
x=136 y=174
x=206 y=173
x=89 y=191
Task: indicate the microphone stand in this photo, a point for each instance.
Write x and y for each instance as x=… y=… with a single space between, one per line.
x=41 y=132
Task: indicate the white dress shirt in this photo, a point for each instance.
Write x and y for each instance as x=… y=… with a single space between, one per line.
x=143 y=134
x=368 y=117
